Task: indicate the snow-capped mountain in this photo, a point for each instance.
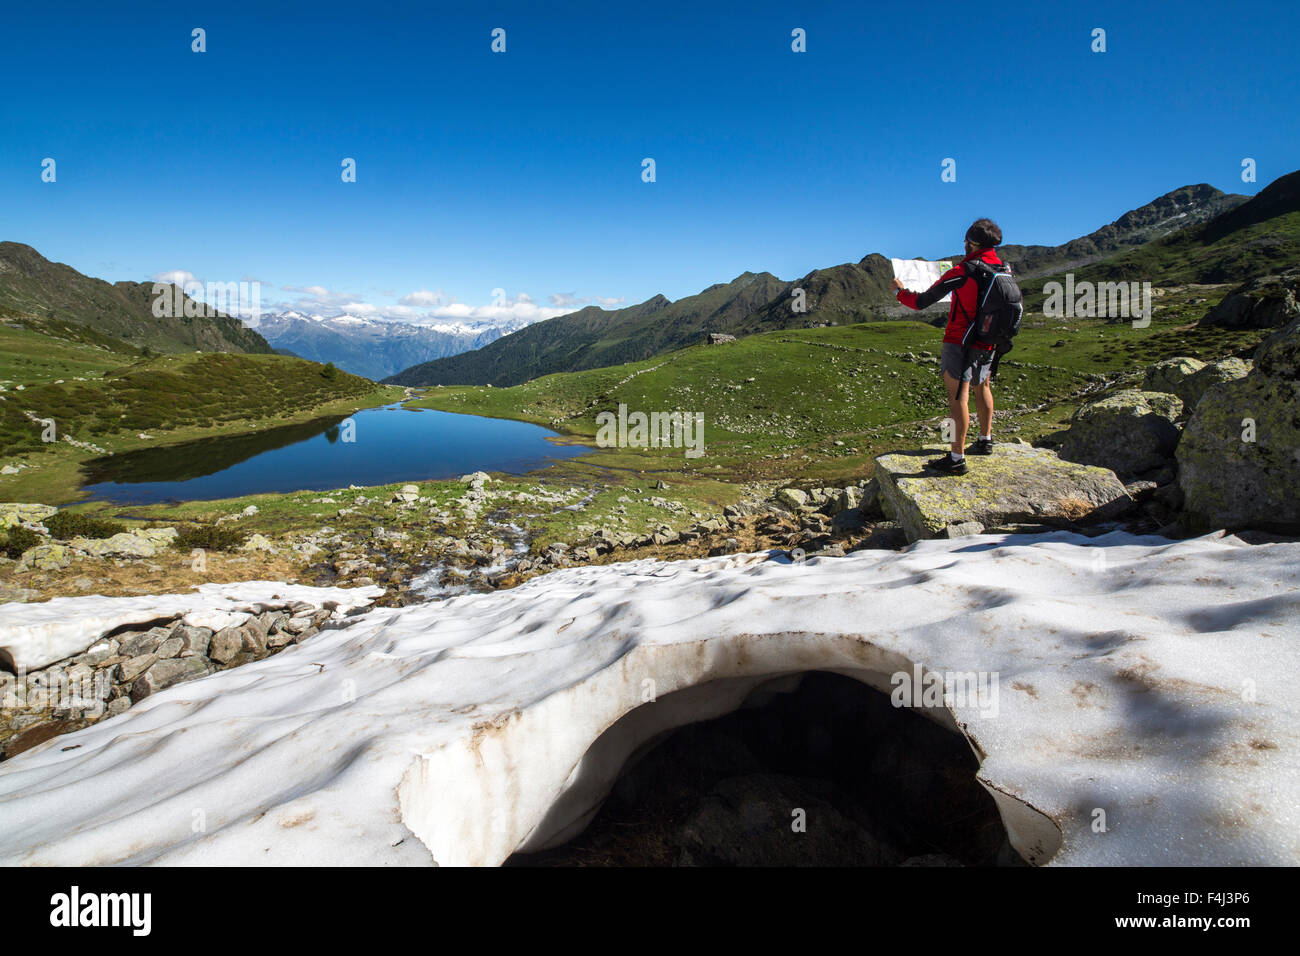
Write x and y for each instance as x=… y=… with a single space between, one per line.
x=374 y=348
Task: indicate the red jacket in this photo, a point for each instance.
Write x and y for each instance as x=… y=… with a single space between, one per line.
x=962 y=309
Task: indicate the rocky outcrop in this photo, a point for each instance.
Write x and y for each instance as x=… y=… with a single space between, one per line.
x=142 y=543
x=25 y=515
x=1128 y=431
x=1239 y=457
x=1016 y=484
x=1171 y=375
x=1216 y=373
x=1266 y=302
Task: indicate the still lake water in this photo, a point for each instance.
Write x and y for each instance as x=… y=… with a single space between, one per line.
x=392 y=443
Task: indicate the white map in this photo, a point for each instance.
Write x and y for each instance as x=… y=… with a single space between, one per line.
x=919 y=274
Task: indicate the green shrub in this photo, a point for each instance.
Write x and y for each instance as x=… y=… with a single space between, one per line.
x=65 y=525
x=19 y=539
x=209 y=537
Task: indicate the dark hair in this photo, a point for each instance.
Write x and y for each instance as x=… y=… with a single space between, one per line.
x=984 y=233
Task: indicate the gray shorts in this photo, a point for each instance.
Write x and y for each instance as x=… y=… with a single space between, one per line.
x=966 y=364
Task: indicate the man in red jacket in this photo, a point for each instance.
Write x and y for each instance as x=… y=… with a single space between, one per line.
x=967 y=365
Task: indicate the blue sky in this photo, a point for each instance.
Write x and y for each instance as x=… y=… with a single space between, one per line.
x=522 y=170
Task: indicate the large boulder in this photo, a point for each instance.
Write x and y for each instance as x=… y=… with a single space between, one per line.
x=1216 y=373
x=1172 y=375
x=1128 y=431
x=1016 y=484
x=1239 y=457
x=142 y=543
x=45 y=557
x=1266 y=302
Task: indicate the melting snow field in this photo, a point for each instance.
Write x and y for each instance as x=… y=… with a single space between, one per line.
x=1144 y=707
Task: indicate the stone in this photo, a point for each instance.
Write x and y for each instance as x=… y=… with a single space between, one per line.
x=171 y=647
x=225 y=645
x=129 y=670
x=194 y=640
x=870 y=503
x=1265 y=302
x=253 y=637
x=142 y=642
x=22 y=513
x=141 y=543
x=792 y=498
x=257 y=542
x=118 y=705
x=1216 y=373
x=46 y=557
x=1128 y=432
x=1239 y=457
x=166 y=673
x=1017 y=483
x=848 y=499
x=718 y=338
x=249 y=511
x=1171 y=374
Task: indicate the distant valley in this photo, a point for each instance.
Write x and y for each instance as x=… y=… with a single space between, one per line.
x=374 y=348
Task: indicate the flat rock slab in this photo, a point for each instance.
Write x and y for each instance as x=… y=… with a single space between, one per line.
x=1017 y=483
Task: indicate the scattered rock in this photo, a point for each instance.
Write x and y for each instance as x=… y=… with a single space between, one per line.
x=1128 y=432
x=1169 y=375
x=1266 y=302
x=1216 y=373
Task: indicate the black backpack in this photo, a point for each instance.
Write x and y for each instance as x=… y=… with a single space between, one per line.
x=1000 y=306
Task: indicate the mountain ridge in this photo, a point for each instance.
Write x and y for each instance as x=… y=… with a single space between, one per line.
x=845 y=293
x=32 y=286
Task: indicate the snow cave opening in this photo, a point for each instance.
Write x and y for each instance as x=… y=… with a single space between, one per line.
x=813 y=769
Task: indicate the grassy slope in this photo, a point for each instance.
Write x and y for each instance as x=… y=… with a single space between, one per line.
x=856 y=384
x=34 y=353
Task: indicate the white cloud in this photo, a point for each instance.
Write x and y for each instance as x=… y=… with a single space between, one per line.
x=422 y=297
x=175 y=277
x=430 y=307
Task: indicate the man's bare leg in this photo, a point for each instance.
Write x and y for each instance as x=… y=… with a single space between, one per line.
x=958 y=410
x=984 y=407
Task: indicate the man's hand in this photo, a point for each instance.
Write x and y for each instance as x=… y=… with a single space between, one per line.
x=898 y=283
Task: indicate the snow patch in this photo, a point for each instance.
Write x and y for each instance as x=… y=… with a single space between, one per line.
x=1151 y=680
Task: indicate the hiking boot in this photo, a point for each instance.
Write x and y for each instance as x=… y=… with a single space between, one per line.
x=946 y=466
x=981 y=446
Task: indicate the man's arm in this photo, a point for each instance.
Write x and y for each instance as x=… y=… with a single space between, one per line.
x=950 y=281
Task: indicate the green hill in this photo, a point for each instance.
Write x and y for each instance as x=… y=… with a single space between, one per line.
x=32 y=286
x=171 y=392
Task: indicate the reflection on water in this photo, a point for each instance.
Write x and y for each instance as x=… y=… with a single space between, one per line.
x=383 y=445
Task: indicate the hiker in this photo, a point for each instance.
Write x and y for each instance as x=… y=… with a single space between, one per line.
x=969 y=355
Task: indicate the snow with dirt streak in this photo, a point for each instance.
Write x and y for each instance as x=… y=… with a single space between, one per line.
x=1144 y=682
